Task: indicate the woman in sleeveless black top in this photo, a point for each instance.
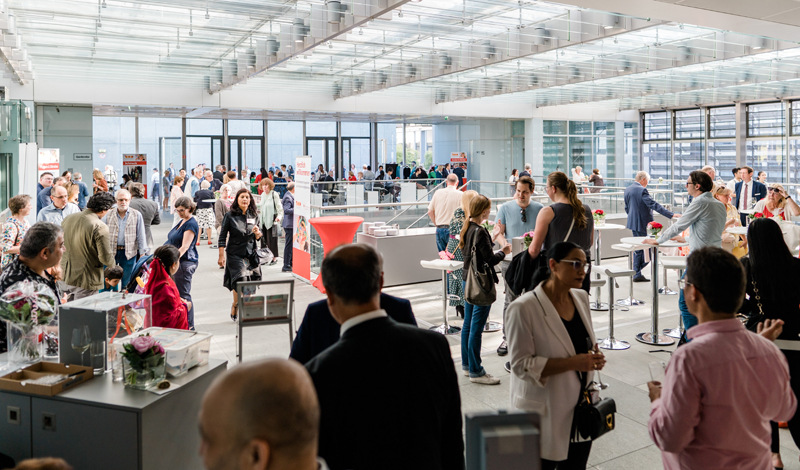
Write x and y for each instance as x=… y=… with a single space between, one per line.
x=567 y=219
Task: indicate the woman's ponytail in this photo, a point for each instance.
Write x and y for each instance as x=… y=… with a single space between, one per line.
x=560 y=181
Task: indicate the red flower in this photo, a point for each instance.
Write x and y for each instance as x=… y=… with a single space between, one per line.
x=599 y=212
x=655 y=225
x=758 y=215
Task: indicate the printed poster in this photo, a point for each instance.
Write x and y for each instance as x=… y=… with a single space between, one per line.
x=458 y=157
x=301 y=237
x=48 y=161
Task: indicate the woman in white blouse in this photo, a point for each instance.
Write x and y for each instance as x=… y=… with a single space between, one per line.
x=777 y=204
x=553 y=353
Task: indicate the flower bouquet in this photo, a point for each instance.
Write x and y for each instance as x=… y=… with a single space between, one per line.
x=755 y=215
x=216 y=194
x=599 y=217
x=488 y=225
x=26 y=306
x=527 y=238
x=653 y=229
x=143 y=362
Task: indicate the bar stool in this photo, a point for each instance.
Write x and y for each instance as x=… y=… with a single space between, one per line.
x=630 y=301
x=597 y=284
x=662 y=260
x=444 y=266
x=614 y=272
x=679 y=263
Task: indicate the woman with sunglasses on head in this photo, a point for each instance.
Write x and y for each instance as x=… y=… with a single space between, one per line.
x=553 y=354
x=777 y=204
x=773 y=276
x=567 y=219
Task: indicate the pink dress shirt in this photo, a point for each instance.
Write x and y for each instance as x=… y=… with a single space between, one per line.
x=720 y=392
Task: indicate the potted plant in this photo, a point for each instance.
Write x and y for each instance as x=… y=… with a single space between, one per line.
x=599 y=217
x=143 y=363
x=653 y=229
x=26 y=306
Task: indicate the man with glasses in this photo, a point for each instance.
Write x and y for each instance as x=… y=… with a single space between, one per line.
x=58 y=209
x=514 y=219
x=713 y=407
x=127 y=233
x=640 y=206
x=705 y=218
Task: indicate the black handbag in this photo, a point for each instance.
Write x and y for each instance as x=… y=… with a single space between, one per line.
x=480 y=289
x=592 y=420
x=754 y=319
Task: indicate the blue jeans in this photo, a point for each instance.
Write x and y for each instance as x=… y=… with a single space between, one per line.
x=183 y=281
x=689 y=320
x=442 y=237
x=127 y=267
x=475 y=317
x=638 y=255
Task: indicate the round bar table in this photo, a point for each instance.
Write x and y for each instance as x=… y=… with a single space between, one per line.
x=597 y=305
x=653 y=337
x=334 y=231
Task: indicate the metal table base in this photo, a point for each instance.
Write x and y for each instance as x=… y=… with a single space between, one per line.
x=445 y=328
x=598 y=306
x=653 y=337
x=492 y=326
x=630 y=301
x=611 y=342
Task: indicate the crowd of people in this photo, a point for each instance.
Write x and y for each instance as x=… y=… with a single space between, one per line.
x=279 y=414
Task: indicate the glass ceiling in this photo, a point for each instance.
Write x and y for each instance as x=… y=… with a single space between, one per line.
x=182 y=42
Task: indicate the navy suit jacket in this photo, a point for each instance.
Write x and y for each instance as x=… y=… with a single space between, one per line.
x=640 y=206
x=759 y=192
x=319 y=330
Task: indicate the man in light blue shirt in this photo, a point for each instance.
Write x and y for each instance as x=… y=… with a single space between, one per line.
x=194 y=182
x=128 y=243
x=705 y=218
x=58 y=209
x=514 y=219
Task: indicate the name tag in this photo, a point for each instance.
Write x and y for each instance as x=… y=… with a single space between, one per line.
x=251 y=221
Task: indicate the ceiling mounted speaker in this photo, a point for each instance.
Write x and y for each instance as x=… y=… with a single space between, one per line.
x=441 y=95
x=758 y=43
x=381 y=78
x=575 y=72
x=533 y=80
x=539 y=35
x=497 y=86
x=272 y=45
x=334 y=11
x=337 y=90
x=445 y=61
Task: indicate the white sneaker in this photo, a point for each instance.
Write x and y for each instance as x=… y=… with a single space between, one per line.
x=466 y=373
x=485 y=380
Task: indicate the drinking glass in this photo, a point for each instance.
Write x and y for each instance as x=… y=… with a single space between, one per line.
x=98 y=356
x=753 y=202
x=658 y=371
x=81 y=340
x=599 y=385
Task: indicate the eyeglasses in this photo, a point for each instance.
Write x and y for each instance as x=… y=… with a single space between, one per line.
x=576 y=265
x=524 y=215
x=59 y=197
x=776 y=190
x=690 y=182
x=683 y=283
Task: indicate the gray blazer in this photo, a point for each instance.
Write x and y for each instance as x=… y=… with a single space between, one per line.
x=150 y=214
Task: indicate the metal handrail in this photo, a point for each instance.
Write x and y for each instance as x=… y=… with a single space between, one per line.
x=420 y=199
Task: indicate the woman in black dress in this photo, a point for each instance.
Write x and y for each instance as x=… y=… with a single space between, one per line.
x=239 y=233
x=773 y=275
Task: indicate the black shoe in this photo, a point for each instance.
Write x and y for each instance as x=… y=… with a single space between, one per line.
x=507 y=367
x=503 y=349
x=286 y=270
x=460 y=311
x=640 y=279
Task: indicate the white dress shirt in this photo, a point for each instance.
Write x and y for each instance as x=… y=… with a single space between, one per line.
x=747 y=193
x=358 y=319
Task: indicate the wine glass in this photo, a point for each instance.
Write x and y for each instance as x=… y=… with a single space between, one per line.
x=81 y=340
x=599 y=385
x=753 y=202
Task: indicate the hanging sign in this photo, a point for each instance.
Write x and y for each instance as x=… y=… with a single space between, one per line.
x=458 y=157
x=47 y=161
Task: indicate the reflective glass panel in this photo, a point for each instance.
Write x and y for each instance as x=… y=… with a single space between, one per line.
x=689 y=124
x=765 y=119
x=722 y=122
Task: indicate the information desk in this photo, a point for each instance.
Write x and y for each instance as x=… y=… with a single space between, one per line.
x=103 y=424
x=402 y=254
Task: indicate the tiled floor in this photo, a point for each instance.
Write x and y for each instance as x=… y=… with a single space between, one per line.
x=628 y=447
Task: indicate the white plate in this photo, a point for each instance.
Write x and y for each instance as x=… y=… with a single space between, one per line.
x=380 y=233
x=392 y=232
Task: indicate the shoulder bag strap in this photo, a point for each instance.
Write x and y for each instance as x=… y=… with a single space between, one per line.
x=569 y=232
x=757 y=296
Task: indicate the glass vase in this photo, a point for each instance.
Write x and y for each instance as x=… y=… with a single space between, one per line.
x=600 y=221
x=141 y=379
x=653 y=233
x=23 y=344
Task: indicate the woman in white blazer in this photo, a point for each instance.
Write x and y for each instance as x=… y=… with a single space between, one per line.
x=550 y=337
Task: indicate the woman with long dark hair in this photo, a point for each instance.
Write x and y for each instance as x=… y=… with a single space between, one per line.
x=168 y=308
x=567 y=219
x=551 y=343
x=241 y=225
x=474 y=236
x=773 y=277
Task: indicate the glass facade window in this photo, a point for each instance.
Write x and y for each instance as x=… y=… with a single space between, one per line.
x=722 y=122
x=555 y=127
x=518 y=128
x=204 y=150
x=689 y=124
x=243 y=127
x=580 y=128
x=794 y=165
x=160 y=140
x=767 y=155
x=656 y=158
x=604 y=128
x=320 y=129
x=580 y=153
x=631 y=149
x=284 y=142
x=605 y=156
x=111 y=137
x=355 y=129
x=765 y=120
x=554 y=154
x=657 y=126
x=722 y=156
x=390 y=146
x=204 y=127
x=687 y=157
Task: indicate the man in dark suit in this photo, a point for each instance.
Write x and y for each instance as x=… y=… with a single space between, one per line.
x=640 y=206
x=360 y=384
x=149 y=209
x=746 y=190
x=219 y=174
x=319 y=330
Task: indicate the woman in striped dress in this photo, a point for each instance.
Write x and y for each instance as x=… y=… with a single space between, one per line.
x=455 y=279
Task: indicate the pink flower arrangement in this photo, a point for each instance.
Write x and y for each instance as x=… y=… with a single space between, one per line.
x=143 y=343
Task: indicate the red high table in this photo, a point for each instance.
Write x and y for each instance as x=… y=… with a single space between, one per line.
x=334 y=231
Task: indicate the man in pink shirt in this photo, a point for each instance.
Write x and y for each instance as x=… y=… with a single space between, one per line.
x=722 y=389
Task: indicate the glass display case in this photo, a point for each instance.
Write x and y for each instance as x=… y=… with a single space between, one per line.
x=109 y=315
